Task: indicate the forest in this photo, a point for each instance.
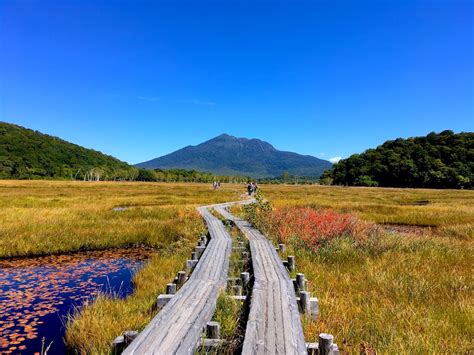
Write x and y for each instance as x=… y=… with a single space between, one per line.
x=439 y=160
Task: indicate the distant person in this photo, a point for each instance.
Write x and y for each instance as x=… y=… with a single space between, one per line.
x=249 y=188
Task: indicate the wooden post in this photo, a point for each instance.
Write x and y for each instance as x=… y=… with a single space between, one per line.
x=312 y=348
x=245 y=255
x=171 y=289
x=241 y=244
x=237 y=290
x=162 y=300
x=213 y=330
x=291 y=262
x=281 y=248
x=190 y=264
x=304 y=302
x=199 y=251
x=193 y=255
x=118 y=345
x=299 y=283
x=231 y=281
x=129 y=335
x=314 y=306
x=181 y=277
x=325 y=344
x=245 y=277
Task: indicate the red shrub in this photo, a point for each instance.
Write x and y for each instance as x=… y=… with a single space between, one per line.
x=314 y=227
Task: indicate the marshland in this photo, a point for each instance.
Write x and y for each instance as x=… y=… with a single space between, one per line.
x=392 y=274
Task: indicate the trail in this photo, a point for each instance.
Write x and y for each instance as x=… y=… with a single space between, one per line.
x=273 y=326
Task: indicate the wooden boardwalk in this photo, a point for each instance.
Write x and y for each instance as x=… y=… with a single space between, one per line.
x=178 y=327
x=274 y=324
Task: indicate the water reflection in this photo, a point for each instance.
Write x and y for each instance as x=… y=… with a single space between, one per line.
x=37 y=293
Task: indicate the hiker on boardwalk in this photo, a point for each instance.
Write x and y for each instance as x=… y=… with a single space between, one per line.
x=250 y=188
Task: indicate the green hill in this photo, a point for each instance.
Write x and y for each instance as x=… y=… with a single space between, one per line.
x=28 y=154
x=444 y=160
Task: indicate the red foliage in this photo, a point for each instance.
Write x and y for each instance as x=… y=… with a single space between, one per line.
x=314 y=227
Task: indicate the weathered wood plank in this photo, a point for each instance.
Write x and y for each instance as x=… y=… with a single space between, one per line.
x=274 y=324
x=177 y=328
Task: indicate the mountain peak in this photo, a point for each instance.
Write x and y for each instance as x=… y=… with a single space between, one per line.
x=224 y=136
x=229 y=155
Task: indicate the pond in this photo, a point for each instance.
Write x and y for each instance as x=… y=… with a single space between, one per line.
x=37 y=294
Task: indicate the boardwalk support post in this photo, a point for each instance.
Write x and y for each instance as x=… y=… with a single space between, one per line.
x=199 y=250
x=171 y=289
x=129 y=335
x=118 y=345
x=162 y=300
x=314 y=307
x=304 y=302
x=291 y=262
x=299 y=283
x=193 y=255
x=281 y=248
x=245 y=277
x=181 y=277
x=237 y=290
x=325 y=344
x=190 y=264
x=312 y=348
x=213 y=330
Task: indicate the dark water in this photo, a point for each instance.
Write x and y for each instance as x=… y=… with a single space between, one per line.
x=36 y=294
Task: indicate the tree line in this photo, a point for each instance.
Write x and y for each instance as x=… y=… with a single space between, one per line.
x=438 y=160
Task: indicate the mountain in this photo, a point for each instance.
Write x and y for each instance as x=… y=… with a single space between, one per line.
x=228 y=155
x=438 y=160
x=28 y=154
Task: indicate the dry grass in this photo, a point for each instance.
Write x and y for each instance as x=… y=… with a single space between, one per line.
x=48 y=217
x=397 y=293
x=382 y=205
x=402 y=294
x=408 y=295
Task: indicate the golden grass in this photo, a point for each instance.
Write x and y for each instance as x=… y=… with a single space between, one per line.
x=414 y=295
x=382 y=205
x=407 y=293
x=48 y=217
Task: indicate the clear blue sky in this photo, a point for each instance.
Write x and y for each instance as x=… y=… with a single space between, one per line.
x=138 y=79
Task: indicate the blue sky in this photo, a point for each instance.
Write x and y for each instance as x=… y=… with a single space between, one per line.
x=138 y=79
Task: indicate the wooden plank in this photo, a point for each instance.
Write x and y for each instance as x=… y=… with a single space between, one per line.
x=177 y=328
x=274 y=324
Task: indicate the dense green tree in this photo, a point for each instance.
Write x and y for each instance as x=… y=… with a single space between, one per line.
x=443 y=160
x=28 y=154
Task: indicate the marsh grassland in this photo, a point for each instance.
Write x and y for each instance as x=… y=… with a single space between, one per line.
x=382 y=291
x=51 y=217
x=379 y=290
